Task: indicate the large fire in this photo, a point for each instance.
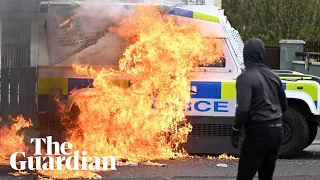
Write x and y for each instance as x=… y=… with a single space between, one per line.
x=146 y=120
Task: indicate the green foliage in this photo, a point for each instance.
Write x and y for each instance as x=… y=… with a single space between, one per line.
x=273 y=20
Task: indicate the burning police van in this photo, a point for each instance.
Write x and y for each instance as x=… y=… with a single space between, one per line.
x=72 y=33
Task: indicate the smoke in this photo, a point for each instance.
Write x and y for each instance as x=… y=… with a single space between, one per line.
x=11 y=7
x=5 y=6
x=87 y=40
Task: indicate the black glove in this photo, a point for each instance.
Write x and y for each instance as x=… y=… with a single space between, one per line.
x=235 y=138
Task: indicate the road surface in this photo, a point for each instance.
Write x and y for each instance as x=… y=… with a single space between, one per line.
x=305 y=166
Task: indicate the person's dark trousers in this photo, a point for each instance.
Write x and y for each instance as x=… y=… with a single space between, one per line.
x=259 y=152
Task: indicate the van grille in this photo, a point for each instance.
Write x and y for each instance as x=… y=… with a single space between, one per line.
x=211 y=130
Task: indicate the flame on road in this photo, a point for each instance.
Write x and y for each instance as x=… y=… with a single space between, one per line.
x=224 y=156
x=11 y=141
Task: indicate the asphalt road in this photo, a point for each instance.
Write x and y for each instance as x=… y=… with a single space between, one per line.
x=304 y=167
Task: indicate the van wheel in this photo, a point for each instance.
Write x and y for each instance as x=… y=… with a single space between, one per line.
x=313 y=129
x=296 y=134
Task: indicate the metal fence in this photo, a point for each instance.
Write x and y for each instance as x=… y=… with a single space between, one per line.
x=18 y=92
x=312 y=46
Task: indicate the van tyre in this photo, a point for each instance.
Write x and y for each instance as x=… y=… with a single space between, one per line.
x=313 y=130
x=296 y=134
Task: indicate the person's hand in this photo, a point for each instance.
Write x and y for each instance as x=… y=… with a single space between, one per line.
x=235 y=137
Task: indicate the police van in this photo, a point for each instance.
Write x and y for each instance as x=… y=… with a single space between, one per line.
x=213 y=93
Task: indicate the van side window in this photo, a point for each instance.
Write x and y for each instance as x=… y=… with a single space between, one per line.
x=219 y=62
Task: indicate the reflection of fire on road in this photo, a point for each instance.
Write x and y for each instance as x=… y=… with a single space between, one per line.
x=145 y=121
x=65 y=173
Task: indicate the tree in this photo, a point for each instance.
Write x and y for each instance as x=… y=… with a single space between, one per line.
x=273 y=20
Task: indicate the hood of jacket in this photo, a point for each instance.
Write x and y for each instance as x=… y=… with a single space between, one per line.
x=253 y=53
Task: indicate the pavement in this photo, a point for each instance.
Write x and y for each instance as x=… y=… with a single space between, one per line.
x=304 y=167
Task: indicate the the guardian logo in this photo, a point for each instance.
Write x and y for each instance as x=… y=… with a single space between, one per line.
x=54 y=161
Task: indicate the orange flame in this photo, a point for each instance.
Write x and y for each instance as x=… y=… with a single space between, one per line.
x=145 y=121
x=65 y=22
x=70 y=27
x=224 y=156
x=11 y=141
x=20 y=173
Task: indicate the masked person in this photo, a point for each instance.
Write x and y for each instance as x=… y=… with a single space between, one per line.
x=261 y=101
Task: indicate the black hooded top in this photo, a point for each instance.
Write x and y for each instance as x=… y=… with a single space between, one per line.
x=260 y=94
